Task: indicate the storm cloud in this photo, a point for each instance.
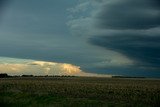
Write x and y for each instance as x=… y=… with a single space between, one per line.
x=99 y=36
x=129 y=14
x=133 y=24
x=2 y=7
x=144 y=49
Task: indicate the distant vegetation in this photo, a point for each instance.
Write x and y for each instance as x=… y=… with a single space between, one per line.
x=126 y=77
x=27 y=75
x=79 y=92
x=4 y=75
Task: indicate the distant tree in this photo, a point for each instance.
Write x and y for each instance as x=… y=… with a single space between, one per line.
x=27 y=75
x=4 y=75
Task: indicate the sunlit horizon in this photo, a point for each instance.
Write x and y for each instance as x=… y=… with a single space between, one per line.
x=16 y=66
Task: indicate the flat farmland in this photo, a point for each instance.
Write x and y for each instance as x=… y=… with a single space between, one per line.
x=79 y=92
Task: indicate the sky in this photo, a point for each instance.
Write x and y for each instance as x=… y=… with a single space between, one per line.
x=95 y=37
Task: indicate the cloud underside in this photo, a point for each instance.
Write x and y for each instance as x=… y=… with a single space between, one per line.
x=14 y=66
x=130 y=14
x=129 y=27
x=144 y=49
x=136 y=21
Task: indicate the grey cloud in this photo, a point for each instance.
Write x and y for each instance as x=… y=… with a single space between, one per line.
x=2 y=7
x=135 y=31
x=129 y=14
x=2 y=3
x=128 y=27
x=36 y=29
x=144 y=49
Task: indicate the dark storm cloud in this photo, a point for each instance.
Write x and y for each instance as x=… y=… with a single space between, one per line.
x=142 y=48
x=130 y=21
x=2 y=5
x=130 y=14
x=2 y=2
x=38 y=29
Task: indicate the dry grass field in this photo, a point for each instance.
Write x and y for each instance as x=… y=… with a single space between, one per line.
x=79 y=92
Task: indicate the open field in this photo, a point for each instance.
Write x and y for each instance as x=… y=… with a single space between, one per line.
x=79 y=92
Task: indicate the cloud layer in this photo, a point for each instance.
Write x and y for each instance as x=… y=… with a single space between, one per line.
x=128 y=27
x=102 y=36
x=14 y=66
x=129 y=14
x=142 y=48
x=130 y=17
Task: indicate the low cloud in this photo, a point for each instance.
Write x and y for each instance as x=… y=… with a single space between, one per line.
x=24 y=66
x=142 y=48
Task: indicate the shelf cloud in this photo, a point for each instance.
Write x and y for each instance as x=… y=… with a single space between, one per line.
x=119 y=37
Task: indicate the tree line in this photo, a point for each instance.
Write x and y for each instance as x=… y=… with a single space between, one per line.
x=5 y=75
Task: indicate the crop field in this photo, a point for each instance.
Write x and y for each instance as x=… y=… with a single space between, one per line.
x=79 y=92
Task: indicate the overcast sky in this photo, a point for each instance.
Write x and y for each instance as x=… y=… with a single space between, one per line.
x=117 y=37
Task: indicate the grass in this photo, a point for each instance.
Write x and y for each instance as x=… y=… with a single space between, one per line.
x=79 y=92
